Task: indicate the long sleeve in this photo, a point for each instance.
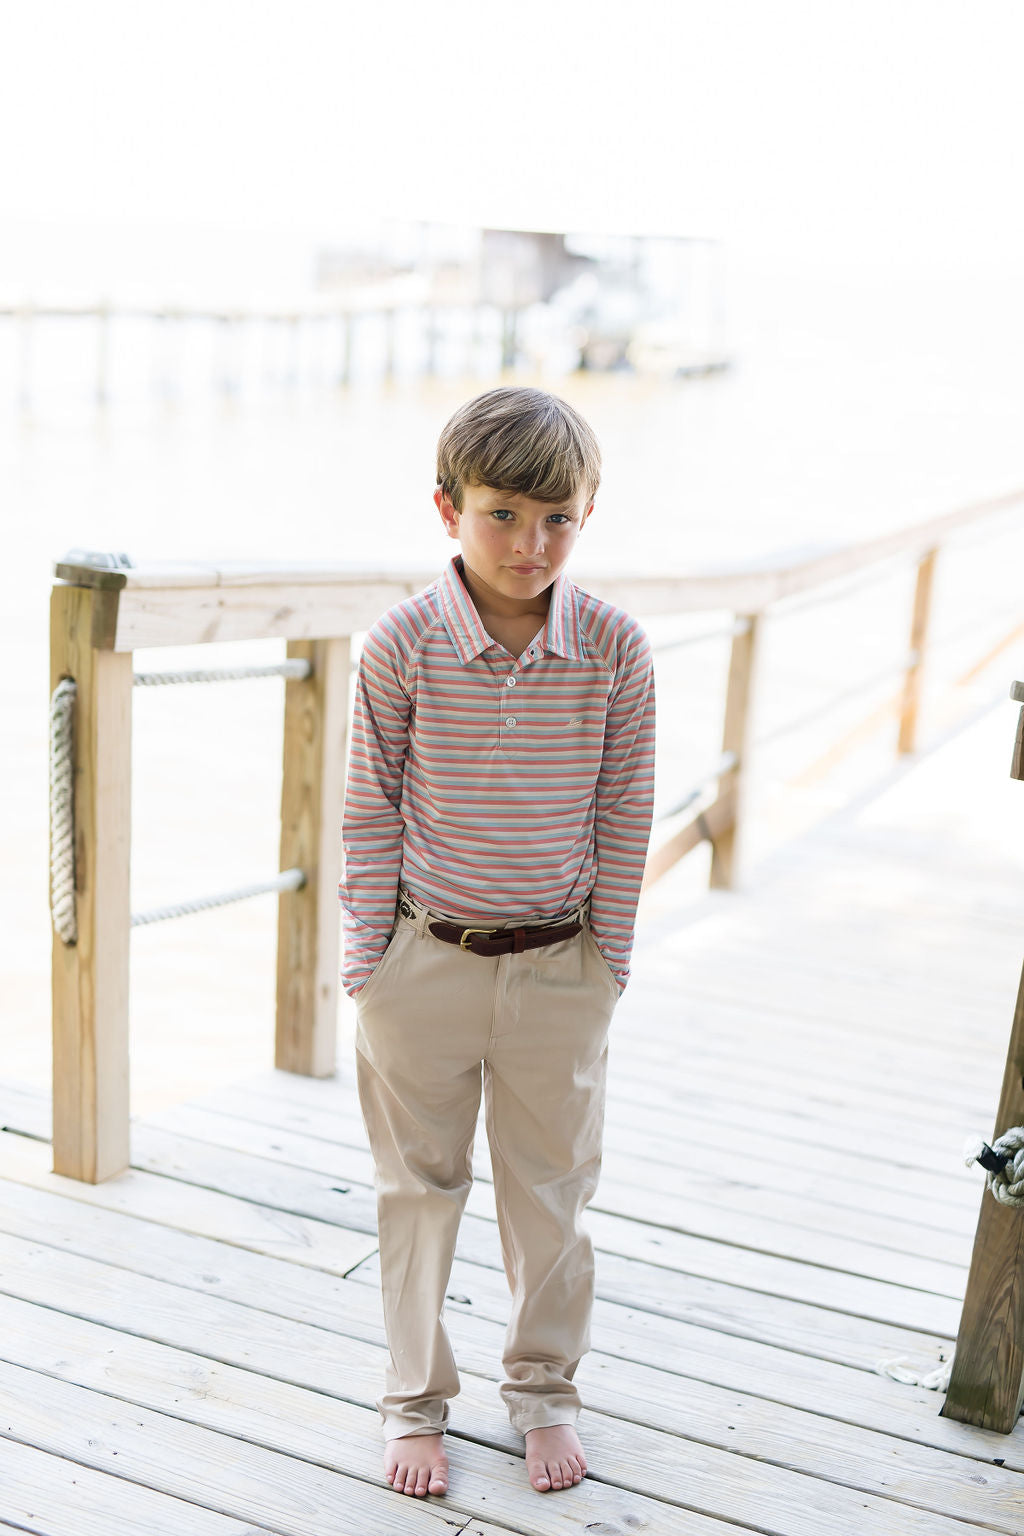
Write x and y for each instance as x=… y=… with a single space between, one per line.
x=372 y=822
x=624 y=805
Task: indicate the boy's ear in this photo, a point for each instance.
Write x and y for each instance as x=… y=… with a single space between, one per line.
x=449 y=516
x=587 y=511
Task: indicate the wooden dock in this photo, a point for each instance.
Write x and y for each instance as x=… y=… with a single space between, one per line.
x=193 y=1347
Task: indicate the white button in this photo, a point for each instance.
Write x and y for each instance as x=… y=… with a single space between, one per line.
x=511 y=720
x=510 y=682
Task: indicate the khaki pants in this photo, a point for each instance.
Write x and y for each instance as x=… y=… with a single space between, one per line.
x=434 y=1021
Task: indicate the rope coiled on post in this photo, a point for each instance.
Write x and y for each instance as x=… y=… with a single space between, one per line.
x=1003 y=1162
x=62 y=803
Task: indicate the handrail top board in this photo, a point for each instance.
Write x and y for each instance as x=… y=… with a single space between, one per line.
x=762 y=580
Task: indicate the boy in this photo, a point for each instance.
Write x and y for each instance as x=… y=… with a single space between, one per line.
x=496 y=820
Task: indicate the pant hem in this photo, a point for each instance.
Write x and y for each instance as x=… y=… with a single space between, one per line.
x=549 y=1418
x=392 y=1432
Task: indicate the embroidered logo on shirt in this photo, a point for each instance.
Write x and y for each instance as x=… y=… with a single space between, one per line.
x=575 y=719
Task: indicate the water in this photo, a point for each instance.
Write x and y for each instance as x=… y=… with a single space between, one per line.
x=849 y=411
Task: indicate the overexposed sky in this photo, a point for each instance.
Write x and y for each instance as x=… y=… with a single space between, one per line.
x=886 y=134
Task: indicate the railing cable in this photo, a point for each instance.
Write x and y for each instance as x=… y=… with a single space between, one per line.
x=294 y=668
x=726 y=762
x=287 y=880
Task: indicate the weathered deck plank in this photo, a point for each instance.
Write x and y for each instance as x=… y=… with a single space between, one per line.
x=709 y=1317
x=48 y=1495
x=645 y=1191
x=919 y=1294
x=860 y=1181
x=256 y=1405
x=795 y=1068
x=232 y=1156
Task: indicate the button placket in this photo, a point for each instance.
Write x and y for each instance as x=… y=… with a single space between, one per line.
x=511 y=721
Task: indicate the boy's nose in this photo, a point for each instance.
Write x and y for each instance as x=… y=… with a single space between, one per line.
x=530 y=541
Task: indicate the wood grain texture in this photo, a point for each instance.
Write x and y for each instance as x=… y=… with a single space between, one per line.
x=309 y=1403
x=793 y=1064
x=913 y=681
x=90 y=978
x=987 y=1384
x=736 y=736
x=312 y=794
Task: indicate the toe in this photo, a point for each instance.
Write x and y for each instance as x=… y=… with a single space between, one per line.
x=422 y=1479
x=540 y=1479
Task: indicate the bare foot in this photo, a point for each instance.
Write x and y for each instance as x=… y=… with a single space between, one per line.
x=416 y=1464
x=554 y=1458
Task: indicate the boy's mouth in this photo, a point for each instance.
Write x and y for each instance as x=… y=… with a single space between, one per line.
x=525 y=570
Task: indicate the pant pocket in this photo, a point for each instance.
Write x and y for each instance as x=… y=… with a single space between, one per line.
x=370 y=984
x=600 y=960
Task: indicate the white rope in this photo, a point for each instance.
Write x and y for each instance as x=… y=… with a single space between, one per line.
x=295 y=668
x=1003 y=1162
x=287 y=880
x=62 y=811
x=726 y=762
x=936 y=1380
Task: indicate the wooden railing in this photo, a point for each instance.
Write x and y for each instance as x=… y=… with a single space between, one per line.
x=101 y=615
x=471 y=325
x=230 y=323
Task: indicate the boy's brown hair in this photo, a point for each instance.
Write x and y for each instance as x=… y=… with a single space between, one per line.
x=523 y=441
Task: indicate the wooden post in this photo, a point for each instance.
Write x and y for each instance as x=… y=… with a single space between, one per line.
x=90 y=977
x=914 y=679
x=432 y=333
x=509 y=338
x=25 y=332
x=986 y=1385
x=102 y=352
x=294 y=348
x=390 y=341
x=347 y=342
x=226 y=349
x=739 y=698
x=1017 y=760
x=312 y=791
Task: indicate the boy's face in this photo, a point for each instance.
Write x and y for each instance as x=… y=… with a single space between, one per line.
x=513 y=547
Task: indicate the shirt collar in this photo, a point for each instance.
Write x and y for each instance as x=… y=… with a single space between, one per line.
x=561 y=632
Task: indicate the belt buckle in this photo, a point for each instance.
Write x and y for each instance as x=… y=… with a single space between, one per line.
x=468 y=933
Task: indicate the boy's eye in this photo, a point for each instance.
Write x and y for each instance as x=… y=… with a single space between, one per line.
x=503 y=514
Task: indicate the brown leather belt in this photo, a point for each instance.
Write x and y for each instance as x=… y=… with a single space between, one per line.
x=503 y=941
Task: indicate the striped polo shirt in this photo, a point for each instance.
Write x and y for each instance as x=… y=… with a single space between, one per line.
x=496 y=787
